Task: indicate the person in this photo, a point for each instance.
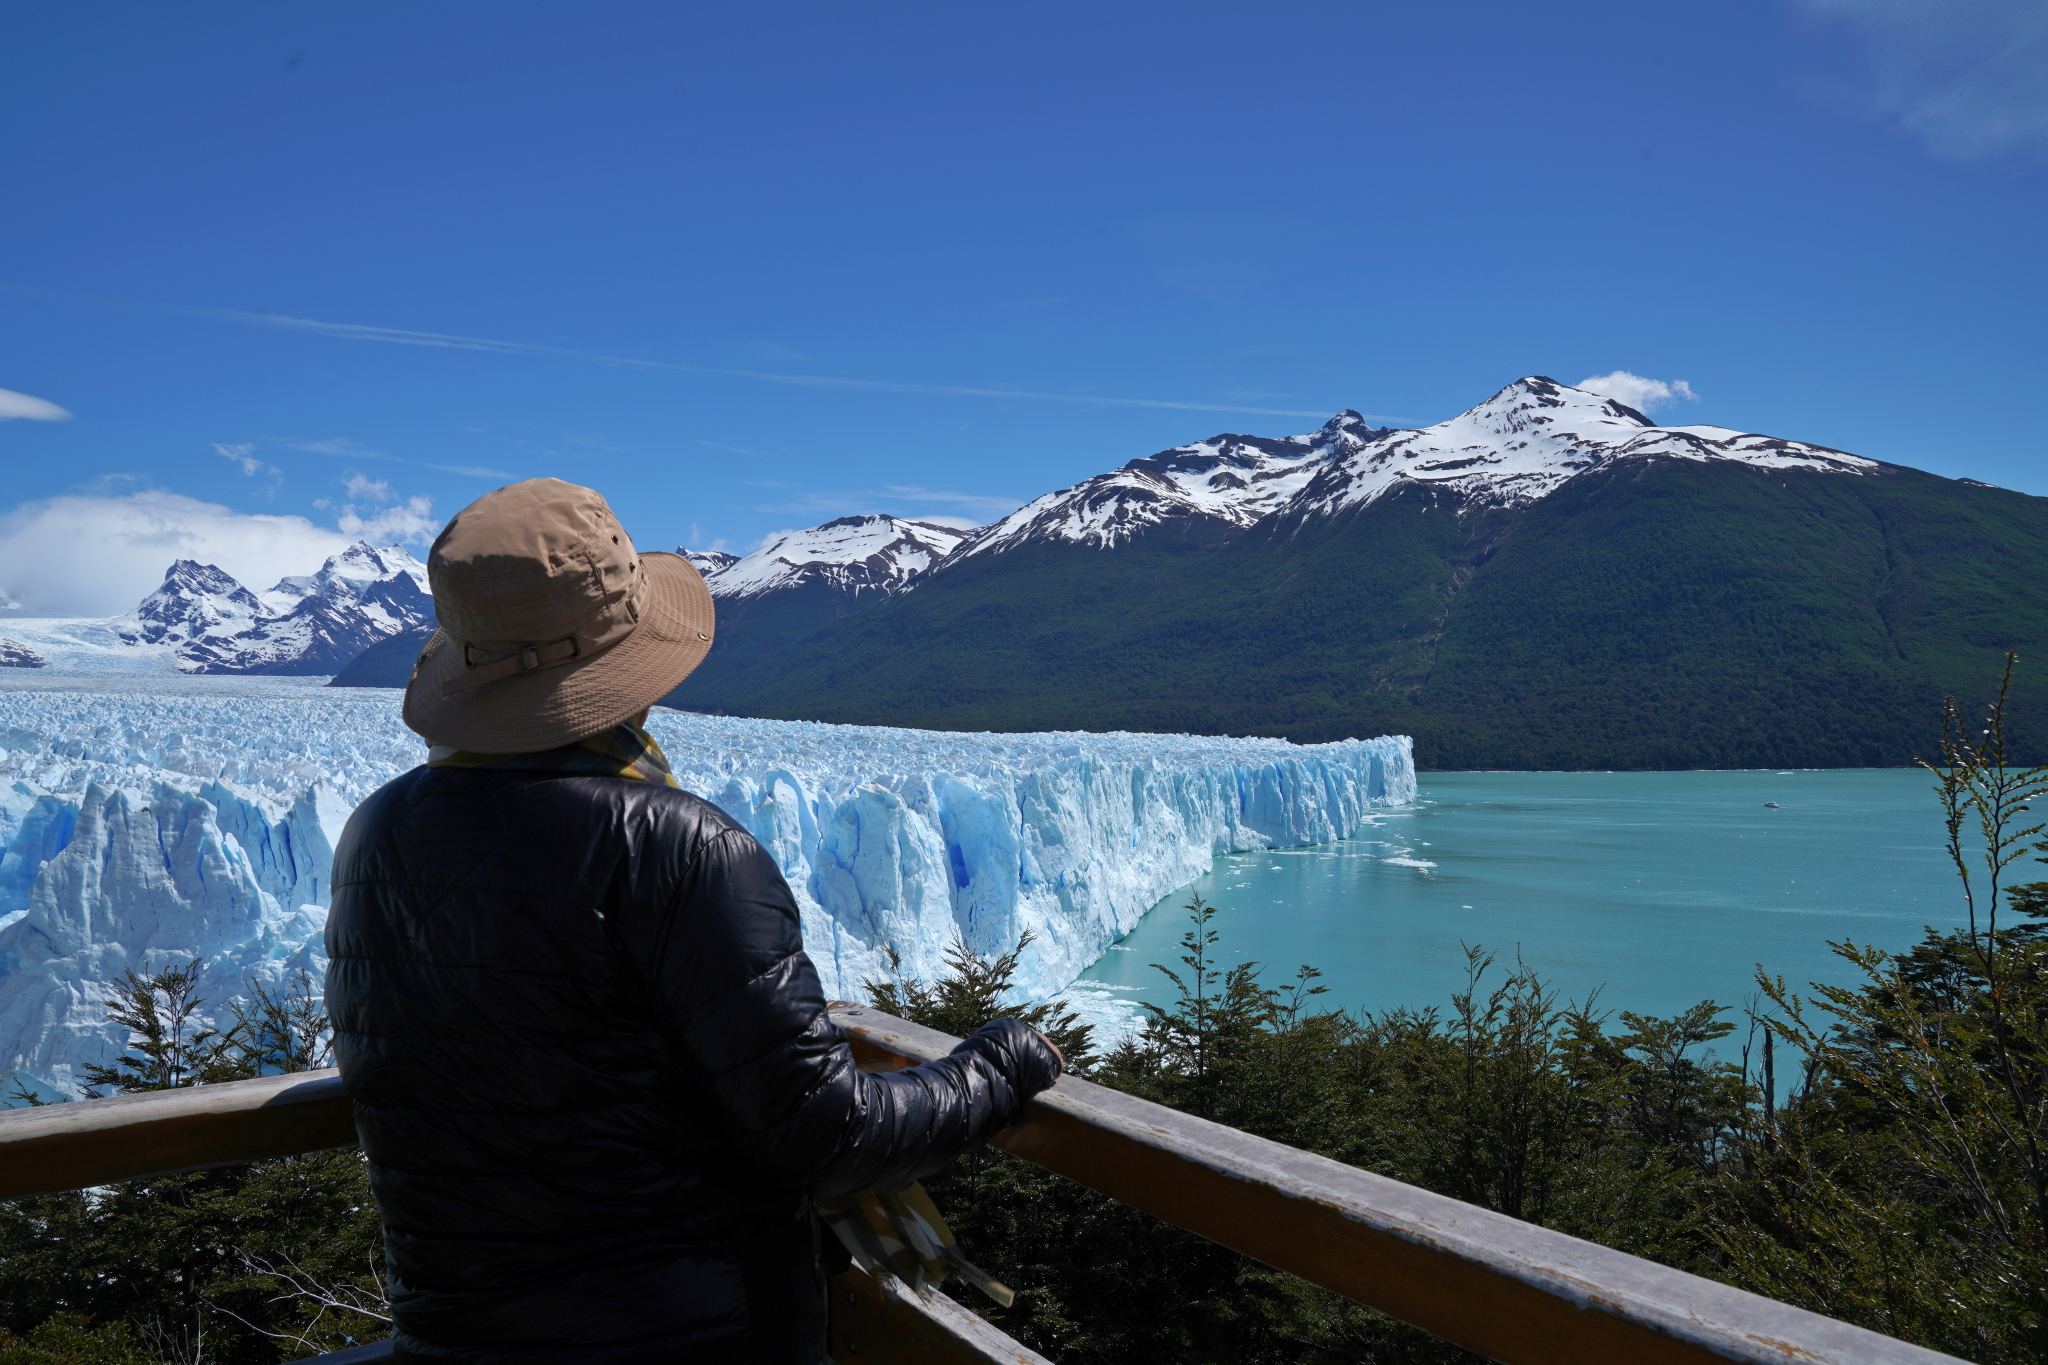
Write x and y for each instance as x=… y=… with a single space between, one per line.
x=592 y=1068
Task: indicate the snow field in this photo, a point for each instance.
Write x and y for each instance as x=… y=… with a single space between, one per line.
x=145 y=824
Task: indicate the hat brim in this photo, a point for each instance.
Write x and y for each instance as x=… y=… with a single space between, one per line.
x=550 y=707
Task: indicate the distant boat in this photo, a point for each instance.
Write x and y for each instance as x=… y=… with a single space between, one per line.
x=1770 y=805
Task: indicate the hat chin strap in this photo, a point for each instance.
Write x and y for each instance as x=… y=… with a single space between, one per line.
x=482 y=663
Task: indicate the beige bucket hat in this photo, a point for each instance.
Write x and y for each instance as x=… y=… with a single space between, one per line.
x=553 y=626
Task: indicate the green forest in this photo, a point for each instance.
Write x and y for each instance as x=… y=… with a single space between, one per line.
x=1874 y=1149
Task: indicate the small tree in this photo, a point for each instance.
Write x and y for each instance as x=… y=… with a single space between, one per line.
x=281 y=1030
x=221 y=1265
x=971 y=993
x=1904 y=1186
x=167 y=1047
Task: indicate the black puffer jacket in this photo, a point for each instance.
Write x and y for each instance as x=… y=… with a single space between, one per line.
x=595 y=1078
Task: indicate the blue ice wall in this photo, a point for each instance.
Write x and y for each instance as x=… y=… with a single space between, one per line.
x=144 y=828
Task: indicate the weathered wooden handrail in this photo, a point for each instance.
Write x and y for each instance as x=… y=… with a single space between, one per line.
x=1522 y=1294
x=96 y=1142
x=166 y=1132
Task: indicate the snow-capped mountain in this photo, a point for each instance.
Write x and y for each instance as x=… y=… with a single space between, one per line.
x=361 y=572
x=1528 y=439
x=361 y=596
x=15 y=654
x=1514 y=448
x=306 y=624
x=1239 y=479
x=196 y=603
x=708 y=562
x=859 y=555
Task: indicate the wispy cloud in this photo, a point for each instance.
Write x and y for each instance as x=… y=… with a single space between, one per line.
x=26 y=406
x=990 y=507
x=394 y=336
x=1967 y=78
x=470 y=471
x=904 y=500
x=340 y=446
x=1644 y=395
x=697 y=540
x=243 y=454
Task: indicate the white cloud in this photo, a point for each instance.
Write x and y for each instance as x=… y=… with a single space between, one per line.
x=1644 y=395
x=96 y=556
x=1967 y=78
x=14 y=405
x=93 y=554
x=412 y=521
x=372 y=491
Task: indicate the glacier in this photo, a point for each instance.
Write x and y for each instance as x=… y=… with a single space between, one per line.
x=149 y=822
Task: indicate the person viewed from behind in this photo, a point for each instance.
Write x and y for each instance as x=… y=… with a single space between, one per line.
x=592 y=1068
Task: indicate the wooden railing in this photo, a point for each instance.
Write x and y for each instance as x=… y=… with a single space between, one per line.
x=1519 y=1293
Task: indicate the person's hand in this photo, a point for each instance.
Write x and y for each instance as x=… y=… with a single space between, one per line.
x=1054 y=1046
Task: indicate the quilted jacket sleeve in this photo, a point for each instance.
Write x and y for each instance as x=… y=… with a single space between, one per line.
x=742 y=1004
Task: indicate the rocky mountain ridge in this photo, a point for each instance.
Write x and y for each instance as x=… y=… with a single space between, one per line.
x=1521 y=444
x=869 y=553
x=308 y=624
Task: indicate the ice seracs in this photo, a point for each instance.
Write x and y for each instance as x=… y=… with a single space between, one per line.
x=143 y=827
x=861 y=554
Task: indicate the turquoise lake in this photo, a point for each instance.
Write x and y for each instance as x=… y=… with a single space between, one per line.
x=1660 y=889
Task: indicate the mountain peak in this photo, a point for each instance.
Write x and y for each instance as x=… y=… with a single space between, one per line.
x=1351 y=424
x=312 y=623
x=1537 y=393
x=1517 y=446
x=350 y=573
x=195 y=600
x=868 y=551
x=1533 y=435
x=1232 y=478
x=189 y=575
x=708 y=562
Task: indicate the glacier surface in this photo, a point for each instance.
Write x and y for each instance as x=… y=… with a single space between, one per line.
x=146 y=823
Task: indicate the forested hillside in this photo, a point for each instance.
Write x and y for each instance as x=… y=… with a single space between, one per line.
x=1649 y=613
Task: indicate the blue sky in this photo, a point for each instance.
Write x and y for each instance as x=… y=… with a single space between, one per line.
x=938 y=259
